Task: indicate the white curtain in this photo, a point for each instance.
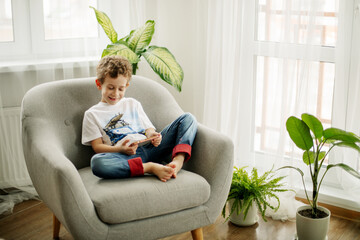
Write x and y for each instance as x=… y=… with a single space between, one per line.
x=268 y=60
x=349 y=73
x=226 y=99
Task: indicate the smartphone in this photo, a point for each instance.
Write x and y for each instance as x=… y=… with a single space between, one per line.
x=146 y=140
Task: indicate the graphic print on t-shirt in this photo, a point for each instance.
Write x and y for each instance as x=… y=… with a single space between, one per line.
x=118 y=128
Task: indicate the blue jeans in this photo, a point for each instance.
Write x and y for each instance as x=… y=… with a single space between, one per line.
x=177 y=137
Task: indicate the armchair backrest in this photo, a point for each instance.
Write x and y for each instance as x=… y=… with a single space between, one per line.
x=59 y=108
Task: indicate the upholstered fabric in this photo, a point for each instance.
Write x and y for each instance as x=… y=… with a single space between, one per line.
x=58 y=165
x=125 y=200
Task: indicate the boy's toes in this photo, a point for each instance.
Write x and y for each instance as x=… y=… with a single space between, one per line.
x=169 y=170
x=172 y=165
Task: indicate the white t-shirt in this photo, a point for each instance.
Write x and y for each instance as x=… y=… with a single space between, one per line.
x=115 y=123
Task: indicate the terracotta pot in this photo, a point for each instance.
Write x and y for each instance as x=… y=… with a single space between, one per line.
x=312 y=229
x=252 y=216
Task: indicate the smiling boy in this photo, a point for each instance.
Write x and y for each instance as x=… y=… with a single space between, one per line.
x=115 y=125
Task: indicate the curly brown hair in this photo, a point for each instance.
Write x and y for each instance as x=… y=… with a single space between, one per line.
x=113 y=66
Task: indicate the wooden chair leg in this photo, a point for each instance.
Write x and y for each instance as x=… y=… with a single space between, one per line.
x=197 y=234
x=56 y=227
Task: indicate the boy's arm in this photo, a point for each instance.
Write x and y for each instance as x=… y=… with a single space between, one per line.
x=99 y=147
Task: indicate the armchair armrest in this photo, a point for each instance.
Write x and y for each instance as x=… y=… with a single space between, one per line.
x=56 y=179
x=213 y=158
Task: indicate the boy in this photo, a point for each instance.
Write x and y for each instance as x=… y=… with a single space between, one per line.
x=115 y=125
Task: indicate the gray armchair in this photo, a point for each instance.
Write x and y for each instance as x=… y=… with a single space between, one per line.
x=135 y=208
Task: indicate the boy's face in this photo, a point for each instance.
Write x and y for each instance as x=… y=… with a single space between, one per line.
x=113 y=89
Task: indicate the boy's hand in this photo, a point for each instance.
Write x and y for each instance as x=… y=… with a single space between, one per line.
x=156 y=142
x=129 y=150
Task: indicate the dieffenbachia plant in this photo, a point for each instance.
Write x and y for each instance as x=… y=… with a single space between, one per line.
x=136 y=45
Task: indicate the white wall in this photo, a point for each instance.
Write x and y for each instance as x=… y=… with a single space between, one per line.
x=180 y=26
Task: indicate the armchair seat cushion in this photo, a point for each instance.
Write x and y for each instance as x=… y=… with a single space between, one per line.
x=125 y=200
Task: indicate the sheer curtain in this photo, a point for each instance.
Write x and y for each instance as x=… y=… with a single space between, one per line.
x=226 y=99
x=349 y=73
x=268 y=60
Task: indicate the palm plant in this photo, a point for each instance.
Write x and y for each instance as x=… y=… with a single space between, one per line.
x=136 y=45
x=314 y=156
x=248 y=189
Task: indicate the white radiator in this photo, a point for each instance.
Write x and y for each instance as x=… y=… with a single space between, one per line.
x=13 y=171
x=17 y=79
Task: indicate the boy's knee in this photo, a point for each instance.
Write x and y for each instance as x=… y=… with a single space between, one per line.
x=188 y=117
x=97 y=165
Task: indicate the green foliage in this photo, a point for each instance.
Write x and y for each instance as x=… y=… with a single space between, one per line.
x=312 y=144
x=248 y=189
x=159 y=58
x=136 y=44
x=106 y=24
x=299 y=132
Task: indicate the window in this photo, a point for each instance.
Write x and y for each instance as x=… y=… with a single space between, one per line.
x=6 y=23
x=43 y=29
x=281 y=75
x=287 y=21
x=69 y=19
x=304 y=60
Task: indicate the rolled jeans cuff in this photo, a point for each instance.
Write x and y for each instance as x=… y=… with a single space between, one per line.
x=136 y=167
x=182 y=148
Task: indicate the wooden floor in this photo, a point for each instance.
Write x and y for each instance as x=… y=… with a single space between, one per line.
x=33 y=220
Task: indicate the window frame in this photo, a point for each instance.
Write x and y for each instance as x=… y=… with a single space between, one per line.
x=29 y=38
x=341 y=87
x=19 y=47
x=57 y=47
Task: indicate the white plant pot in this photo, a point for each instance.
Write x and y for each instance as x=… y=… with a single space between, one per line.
x=252 y=216
x=312 y=229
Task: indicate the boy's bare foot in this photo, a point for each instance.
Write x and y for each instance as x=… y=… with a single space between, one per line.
x=177 y=163
x=164 y=173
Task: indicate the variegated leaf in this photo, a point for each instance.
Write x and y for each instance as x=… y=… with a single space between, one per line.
x=165 y=65
x=120 y=48
x=106 y=24
x=140 y=38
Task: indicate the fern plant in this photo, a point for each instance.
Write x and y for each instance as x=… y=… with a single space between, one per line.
x=136 y=45
x=248 y=189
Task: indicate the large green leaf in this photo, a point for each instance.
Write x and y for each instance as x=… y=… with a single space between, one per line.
x=309 y=157
x=141 y=37
x=349 y=145
x=165 y=65
x=106 y=24
x=297 y=169
x=341 y=135
x=121 y=48
x=299 y=132
x=346 y=168
x=314 y=124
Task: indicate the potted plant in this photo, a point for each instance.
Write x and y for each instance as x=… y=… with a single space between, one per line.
x=309 y=135
x=249 y=193
x=136 y=45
